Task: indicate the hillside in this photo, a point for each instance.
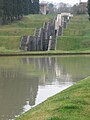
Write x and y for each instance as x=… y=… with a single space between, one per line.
x=11 y=34
x=77 y=35
x=75 y=38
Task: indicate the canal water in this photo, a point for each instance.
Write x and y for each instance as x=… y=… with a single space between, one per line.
x=27 y=81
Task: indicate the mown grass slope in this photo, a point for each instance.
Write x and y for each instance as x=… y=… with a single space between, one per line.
x=11 y=34
x=76 y=36
x=71 y=104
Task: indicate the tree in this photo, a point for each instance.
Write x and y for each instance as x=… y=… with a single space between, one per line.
x=1 y=8
x=31 y=8
x=34 y=6
x=89 y=8
x=15 y=9
x=26 y=7
x=63 y=7
x=51 y=8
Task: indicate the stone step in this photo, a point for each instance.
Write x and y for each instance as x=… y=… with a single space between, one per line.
x=36 y=32
x=53 y=43
x=23 y=42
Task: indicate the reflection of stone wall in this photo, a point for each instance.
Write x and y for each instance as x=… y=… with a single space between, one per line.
x=49 y=68
x=45 y=66
x=8 y=74
x=61 y=69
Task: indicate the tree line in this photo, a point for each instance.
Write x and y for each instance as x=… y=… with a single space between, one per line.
x=11 y=10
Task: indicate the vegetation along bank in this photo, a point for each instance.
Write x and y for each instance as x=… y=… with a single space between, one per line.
x=70 y=104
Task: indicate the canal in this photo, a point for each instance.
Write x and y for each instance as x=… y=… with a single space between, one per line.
x=27 y=81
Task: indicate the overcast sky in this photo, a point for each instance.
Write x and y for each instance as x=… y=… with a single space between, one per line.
x=72 y=2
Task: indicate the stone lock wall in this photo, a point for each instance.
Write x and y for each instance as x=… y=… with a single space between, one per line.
x=45 y=38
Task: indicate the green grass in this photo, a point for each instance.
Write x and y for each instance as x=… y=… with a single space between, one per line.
x=9 y=43
x=68 y=43
x=30 y=21
x=16 y=31
x=10 y=34
x=76 y=36
x=71 y=104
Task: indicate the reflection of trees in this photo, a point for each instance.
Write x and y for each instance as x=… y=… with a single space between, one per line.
x=15 y=89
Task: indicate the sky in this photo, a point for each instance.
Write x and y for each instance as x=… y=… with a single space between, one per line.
x=72 y=2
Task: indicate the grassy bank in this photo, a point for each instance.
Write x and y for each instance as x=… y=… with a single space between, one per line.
x=4 y=52
x=71 y=104
x=11 y=34
x=76 y=36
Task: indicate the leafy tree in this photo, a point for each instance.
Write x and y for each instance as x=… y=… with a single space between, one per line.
x=89 y=8
x=36 y=6
x=15 y=9
x=25 y=7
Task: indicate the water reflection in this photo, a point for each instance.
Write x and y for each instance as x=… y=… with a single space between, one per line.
x=27 y=106
x=50 y=70
x=26 y=81
x=15 y=92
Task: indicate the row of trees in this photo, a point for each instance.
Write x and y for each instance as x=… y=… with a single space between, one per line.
x=15 y=9
x=64 y=7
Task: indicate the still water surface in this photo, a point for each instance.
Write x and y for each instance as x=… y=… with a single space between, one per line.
x=27 y=81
